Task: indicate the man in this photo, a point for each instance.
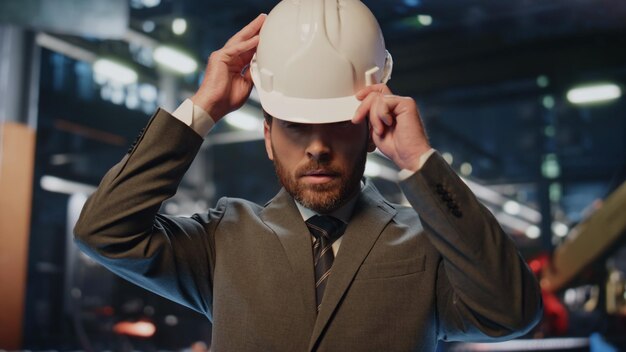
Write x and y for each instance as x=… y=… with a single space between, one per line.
x=277 y=277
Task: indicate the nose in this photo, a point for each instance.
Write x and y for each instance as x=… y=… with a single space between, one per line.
x=319 y=146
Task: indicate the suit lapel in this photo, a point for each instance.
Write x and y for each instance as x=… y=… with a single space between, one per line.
x=371 y=215
x=283 y=217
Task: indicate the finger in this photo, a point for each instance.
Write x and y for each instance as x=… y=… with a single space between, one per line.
x=374 y=115
x=242 y=47
x=362 y=111
x=247 y=75
x=247 y=56
x=249 y=31
x=383 y=111
x=378 y=140
x=402 y=106
x=380 y=88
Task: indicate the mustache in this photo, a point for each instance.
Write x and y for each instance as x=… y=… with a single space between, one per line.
x=315 y=167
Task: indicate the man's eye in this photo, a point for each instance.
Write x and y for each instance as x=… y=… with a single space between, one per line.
x=345 y=124
x=295 y=126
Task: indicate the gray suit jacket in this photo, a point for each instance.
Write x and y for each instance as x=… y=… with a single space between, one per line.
x=400 y=281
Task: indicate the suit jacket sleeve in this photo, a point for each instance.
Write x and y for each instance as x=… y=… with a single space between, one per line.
x=485 y=291
x=120 y=228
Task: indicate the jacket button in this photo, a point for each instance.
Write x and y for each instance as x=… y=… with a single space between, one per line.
x=440 y=189
x=457 y=213
x=132 y=146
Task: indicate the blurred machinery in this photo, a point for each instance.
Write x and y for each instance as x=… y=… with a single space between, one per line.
x=589 y=241
x=583 y=285
x=108 y=313
x=585 y=280
x=588 y=271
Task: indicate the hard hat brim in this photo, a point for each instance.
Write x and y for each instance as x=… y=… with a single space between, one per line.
x=312 y=111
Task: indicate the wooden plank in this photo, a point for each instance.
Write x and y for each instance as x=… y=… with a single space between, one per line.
x=16 y=181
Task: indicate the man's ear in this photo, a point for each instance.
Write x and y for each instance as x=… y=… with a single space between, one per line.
x=371 y=146
x=267 y=135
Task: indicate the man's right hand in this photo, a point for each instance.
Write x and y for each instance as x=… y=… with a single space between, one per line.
x=224 y=88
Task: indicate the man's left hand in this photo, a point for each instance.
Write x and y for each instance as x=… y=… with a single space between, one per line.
x=397 y=128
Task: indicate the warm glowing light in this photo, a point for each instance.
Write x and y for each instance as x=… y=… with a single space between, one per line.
x=137 y=328
x=175 y=60
x=594 y=93
x=535 y=265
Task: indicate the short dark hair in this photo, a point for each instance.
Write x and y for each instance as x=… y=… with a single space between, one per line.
x=268 y=118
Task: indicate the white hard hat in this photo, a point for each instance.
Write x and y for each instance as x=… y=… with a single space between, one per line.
x=314 y=55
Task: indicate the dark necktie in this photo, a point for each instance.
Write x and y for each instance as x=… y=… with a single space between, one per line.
x=325 y=229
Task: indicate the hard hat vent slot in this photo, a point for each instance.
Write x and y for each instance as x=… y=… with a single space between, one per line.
x=370 y=76
x=267 y=79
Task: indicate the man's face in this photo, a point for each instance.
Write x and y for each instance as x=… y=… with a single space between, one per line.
x=320 y=165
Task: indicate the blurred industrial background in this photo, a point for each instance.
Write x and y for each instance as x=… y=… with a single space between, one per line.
x=522 y=97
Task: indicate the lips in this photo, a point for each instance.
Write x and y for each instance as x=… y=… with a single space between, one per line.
x=319 y=176
x=321 y=172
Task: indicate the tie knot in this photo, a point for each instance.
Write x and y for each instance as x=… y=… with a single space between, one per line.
x=326 y=226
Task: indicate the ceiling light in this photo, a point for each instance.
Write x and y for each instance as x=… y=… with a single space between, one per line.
x=243 y=120
x=412 y=3
x=466 y=169
x=533 y=232
x=550 y=167
x=59 y=185
x=148 y=26
x=548 y=102
x=512 y=207
x=114 y=72
x=425 y=20
x=150 y=3
x=179 y=26
x=448 y=158
x=175 y=60
x=171 y=320
x=543 y=81
x=560 y=229
x=148 y=92
x=594 y=93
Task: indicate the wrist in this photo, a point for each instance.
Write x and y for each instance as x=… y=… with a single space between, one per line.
x=417 y=159
x=207 y=105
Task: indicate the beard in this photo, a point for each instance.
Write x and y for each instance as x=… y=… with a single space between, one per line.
x=326 y=197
